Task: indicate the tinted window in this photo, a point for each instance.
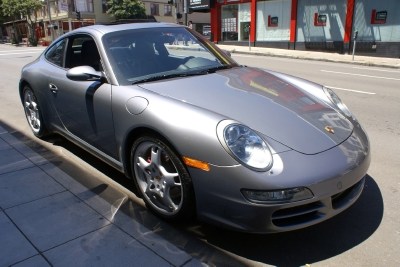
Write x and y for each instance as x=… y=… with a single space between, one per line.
x=56 y=53
x=83 y=51
x=141 y=54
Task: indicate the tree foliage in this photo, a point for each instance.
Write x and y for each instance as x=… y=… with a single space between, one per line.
x=23 y=9
x=1 y=13
x=126 y=9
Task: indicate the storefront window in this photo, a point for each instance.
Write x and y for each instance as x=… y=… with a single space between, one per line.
x=235 y=22
x=229 y=23
x=244 y=22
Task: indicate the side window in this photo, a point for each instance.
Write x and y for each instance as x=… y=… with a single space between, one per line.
x=56 y=53
x=84 y=52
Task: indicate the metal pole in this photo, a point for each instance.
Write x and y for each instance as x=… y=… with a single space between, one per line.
x=185 y=10
x=354 y=45
x=249 y=40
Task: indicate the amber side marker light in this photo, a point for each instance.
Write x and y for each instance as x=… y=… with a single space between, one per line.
x=196 y=163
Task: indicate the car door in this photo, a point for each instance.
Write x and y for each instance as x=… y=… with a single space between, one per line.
x=84 y=107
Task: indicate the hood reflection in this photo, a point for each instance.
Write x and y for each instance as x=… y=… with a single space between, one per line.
x=264 y=103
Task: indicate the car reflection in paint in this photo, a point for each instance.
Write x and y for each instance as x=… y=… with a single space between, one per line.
x=200 y=135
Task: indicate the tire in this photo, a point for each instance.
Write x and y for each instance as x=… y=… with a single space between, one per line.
x=162 y=179
x=33 y=113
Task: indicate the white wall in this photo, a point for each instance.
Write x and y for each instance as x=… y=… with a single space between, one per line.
x=335 y=23
x=388 y=32
x=281 y=9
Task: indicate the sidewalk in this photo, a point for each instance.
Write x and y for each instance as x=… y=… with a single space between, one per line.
x=49 y=219
x=311 y=55
x=307 y=55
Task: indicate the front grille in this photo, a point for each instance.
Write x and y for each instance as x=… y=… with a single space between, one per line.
x=298 y=215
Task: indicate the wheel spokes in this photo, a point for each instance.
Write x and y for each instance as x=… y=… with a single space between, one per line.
x=159 y=178
x=170 y=178
x=168 y=202
x=32 y=111
x=156 y=156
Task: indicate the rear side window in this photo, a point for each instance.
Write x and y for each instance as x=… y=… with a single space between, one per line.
x=56 y=53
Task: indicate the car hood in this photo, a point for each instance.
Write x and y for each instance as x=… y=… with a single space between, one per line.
x=265 y=103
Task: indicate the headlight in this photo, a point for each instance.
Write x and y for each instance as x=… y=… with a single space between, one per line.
x=245 y=145
x=338 y=103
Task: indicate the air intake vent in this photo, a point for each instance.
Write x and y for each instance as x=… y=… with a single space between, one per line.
x=298 y=215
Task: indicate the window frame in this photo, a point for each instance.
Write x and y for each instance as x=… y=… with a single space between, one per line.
x=104 y=4
x=169 y=8
x=156 y=9
x=64 y=53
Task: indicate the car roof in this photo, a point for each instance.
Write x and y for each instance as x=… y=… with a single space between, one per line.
x=103 y=29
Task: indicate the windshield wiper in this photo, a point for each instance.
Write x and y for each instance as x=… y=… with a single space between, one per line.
x=212 y=70
x=168 y=76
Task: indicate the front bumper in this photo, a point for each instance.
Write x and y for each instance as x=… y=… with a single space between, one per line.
x=336 y=177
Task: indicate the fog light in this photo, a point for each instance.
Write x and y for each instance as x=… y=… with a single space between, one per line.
x=277 y=196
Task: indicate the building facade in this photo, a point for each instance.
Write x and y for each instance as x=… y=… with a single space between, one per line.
x=319 y=25
x=57 y=17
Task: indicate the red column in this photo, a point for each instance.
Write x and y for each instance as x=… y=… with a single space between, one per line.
x=293 y=20
x=349 y=21
x=215 y=16
x=253 y=12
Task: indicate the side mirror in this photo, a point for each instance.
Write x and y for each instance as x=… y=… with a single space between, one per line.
x=85 y=73
x=227 y=53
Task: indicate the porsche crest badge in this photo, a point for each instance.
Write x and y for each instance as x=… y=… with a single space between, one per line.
x=329 y=129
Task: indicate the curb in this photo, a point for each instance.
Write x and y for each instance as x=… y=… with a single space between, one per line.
x=268 y=54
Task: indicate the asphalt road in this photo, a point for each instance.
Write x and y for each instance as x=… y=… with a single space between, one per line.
x=367 y=234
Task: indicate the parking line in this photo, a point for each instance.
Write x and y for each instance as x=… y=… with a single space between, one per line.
x=353 y=74
x=361 y=92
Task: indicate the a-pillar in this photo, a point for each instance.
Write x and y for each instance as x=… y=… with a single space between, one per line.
x=347 y=28
x=293 y=22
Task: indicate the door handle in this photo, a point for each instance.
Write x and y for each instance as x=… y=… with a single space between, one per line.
x=53 y=88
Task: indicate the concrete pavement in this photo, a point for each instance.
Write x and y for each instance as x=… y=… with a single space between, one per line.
x=49 y=219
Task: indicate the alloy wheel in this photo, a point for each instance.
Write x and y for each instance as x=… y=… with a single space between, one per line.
x=32 y=111
x=158 y=178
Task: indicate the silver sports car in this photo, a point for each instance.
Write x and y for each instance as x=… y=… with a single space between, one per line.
x=200 y=135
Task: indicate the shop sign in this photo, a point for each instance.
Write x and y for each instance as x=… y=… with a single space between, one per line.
x=63 y=6
x=195 y=5
x=378 y=17
x=272 y=21
x=319 y=20
x=322 y=19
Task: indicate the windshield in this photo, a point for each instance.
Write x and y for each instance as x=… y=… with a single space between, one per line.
x=142 y=55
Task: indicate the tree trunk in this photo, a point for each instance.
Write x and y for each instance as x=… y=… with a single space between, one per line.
x=15 y=34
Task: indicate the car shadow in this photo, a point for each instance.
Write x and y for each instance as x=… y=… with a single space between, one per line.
x=220 y=247
x=312 y=244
